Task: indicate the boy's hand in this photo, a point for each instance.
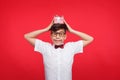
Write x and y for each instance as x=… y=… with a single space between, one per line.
x=49 y=26
x=69 y=28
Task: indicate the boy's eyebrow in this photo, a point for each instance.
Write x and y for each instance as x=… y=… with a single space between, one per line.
x=57 y=31
x=60 y=32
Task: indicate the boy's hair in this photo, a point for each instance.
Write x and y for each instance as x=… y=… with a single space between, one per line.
x=56 y=27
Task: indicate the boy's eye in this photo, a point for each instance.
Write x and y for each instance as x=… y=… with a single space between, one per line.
x=60 y=34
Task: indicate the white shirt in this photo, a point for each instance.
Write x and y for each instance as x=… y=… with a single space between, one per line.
x=58 y=62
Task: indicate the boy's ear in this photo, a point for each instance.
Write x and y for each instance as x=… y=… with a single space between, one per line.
x=50 y=35
x=65 y=36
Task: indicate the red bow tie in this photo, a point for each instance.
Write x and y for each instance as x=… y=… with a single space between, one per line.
x=59 y=46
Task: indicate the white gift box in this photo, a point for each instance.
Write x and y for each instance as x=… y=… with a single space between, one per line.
x=58 y=19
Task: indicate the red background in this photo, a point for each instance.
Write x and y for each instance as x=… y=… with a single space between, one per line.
x=101 y=19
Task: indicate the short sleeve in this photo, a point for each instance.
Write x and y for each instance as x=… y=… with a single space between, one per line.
x=77 y=47
x=40 y=46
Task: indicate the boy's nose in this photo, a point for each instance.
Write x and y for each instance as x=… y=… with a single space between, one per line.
x=57 y=36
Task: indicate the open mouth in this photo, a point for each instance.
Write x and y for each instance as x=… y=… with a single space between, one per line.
x=58 y=41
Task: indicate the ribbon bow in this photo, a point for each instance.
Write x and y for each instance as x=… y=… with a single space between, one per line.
x=59 y=46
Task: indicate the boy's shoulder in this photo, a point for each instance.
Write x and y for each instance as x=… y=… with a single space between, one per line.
x=43 y=42
x=72 y=42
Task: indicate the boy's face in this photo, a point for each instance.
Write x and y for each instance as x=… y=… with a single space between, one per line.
x=58 y=37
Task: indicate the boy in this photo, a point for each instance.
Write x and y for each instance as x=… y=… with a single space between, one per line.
x=58 y=57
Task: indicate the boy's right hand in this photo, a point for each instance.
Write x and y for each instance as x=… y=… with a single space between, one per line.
x=50 y=25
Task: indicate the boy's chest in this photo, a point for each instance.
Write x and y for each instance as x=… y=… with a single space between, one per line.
x=58 y=56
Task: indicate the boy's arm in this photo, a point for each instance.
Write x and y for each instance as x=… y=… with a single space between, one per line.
x=87 y=39
x=31 y=36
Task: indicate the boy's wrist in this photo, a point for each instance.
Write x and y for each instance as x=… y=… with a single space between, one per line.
x=71 y=30
x=46 y=29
